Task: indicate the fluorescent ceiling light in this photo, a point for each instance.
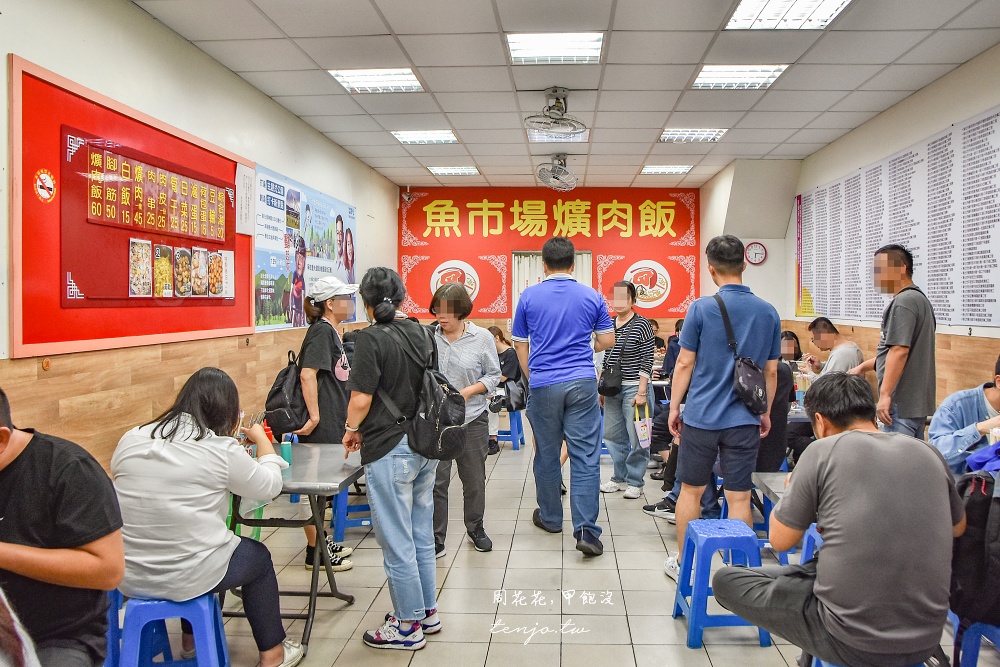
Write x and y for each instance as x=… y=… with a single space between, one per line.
x=377 y=80
x=738 y=77
x=555 y=48
x=543 y=137
x=659 y=169
x=426 y=137
x=785 y=14
x=688 y=135
x=453 y=171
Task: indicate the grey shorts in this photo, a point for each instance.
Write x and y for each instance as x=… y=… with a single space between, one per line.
x=735 y=448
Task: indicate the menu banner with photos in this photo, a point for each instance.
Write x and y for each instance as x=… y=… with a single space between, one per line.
x=469 y=235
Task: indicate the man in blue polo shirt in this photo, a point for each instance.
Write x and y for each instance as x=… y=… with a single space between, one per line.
x=716 y=424
x=558 y=317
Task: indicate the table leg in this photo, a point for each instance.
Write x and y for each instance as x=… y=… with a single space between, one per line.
x=318 y=504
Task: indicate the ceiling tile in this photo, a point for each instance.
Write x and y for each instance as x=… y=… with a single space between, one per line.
x=363 y=138
x=454 y=50
x=376 y=151
x=657 y=48
x=540 y=77
x=438 y=150
x=777 y=119
x=579 y=101
x=763 y=47
x=505 y=170
x=870 y=100
x=465 y=79
x=756 y=135
x=320 y=105
x=621 y=148
x=387 y=103
x=509 y=180
x=718 y=160
x=984 y=14
x=391 y=173
x=607 y=182
x=445 y=160
x=554 y=15
x=631 y=100
x=472 y=102
x=323 y=18
x=615 y=169
x=630 y=119
x=743 y=150
x=492 y=136
x=799 y=100
x=952 y=46
x=899 y=14
x=694 y=181
x=393 y=162
x=705 y=171
x=907 y=77
x=343 y=123
x=604 y=136
x=257 y=55
x=818 y=136
x=520 y=161
x=863 y=46
x=697 y=148
x=412 y=121
x=681 y=119
x=627 y=160
x=825 y=77
x=848 y=119
x=354 y=52
x=683 y=15
x=212 y=19
x=718 y=100
x=300 y=82
x=462 y=181
x=486 y=121
x=571 y=150
x=664 y=181
x=415 y=18
x=505 y=150
x=795 y=150
x=648 y=77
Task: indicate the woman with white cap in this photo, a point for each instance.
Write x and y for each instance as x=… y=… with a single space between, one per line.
x=324 y=370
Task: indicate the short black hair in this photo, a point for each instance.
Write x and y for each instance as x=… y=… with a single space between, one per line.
x=725 y=253
x=210 y=397
x=898 y=253
x=382 y=289
x=841 y=398
x=822 y=325
x=792 y=336
x=558 y=254
x=996 y=371
x=653 y=323
x=455 y=298
x=628 y=285
x=678 y=325
x=6 y=422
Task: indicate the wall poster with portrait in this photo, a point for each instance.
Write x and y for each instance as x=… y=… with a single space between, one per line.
x=301 y=236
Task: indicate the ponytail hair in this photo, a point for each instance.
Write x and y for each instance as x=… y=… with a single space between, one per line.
x=382 y=290
x=11 y=646
x=498 y=333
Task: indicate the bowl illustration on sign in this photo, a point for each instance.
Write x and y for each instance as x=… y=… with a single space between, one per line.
x=456 y=271
x=652 y=283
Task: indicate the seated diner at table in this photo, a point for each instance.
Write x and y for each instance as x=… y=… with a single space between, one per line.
x=963 y=422
x=174 y=477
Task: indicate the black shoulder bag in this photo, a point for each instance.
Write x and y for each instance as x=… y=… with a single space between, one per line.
x=610 y=383
x=748 y=378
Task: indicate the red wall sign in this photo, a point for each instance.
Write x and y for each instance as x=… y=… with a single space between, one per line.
x=123 y=227
x=469 y=235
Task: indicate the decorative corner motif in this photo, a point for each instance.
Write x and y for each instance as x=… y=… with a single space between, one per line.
x=604 y=262
x=408 y=237
x=407 y=264
x=687 y=261
x=499 y=262
x=686 y=198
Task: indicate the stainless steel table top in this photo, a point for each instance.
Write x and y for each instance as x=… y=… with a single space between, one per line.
x=771 y=484
x=319 y=469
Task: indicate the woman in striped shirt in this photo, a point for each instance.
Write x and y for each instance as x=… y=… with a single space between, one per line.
x=633 y=351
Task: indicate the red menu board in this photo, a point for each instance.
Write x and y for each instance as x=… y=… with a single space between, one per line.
x=123 y=227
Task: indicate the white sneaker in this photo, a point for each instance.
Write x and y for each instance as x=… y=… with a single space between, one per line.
x=672 y=568
x=293 y=653
x=612 y=487
x=633 y=492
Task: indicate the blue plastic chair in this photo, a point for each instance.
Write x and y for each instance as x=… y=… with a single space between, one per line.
x=154 y=635
x=203 y=613
x=514 y=435
x=811 y=542
x=973 y=639
x=703 y=538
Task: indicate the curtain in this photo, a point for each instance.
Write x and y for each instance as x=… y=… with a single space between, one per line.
x=528 y=271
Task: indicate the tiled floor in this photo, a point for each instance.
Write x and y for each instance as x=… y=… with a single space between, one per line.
x=626 y=623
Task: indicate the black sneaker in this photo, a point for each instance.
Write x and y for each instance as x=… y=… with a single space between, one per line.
x=665 y=509
x=337 y=563
x=439 y=550
x=536 y=518
x=494 y=447
x=480 y=540
x=589 y=544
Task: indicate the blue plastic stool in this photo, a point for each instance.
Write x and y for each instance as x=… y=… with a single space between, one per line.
x=811 y=542
x=703 y=538
x=973 y=639
x=154 y=635
x=764 y=526
x=203 y=613
x=515 y=435
x=340 y=521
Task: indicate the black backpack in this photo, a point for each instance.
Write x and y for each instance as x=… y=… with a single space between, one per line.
x=437 y=429
x=975 y=561
x=285 y=407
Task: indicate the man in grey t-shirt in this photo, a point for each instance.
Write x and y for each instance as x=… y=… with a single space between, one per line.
x=904 y=361
x=844 y=353
x=888 y=510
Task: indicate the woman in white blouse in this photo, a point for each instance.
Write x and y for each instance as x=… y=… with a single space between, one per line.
x=173 y=477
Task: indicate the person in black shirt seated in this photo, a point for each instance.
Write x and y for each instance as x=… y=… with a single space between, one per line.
x=510 y=369
x=60 y=543
x=658 y=342
x=773 y=446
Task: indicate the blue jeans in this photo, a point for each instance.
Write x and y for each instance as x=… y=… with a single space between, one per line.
x=570 y=411
x=401 y=495
x=629 y=457
x=911 y=427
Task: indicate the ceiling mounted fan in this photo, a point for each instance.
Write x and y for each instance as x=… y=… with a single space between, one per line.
x=556 y=174
x=554 y=118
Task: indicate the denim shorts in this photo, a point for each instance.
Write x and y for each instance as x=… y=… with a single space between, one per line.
x=735 y=448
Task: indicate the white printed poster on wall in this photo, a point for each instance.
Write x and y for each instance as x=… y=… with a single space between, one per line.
x=301 y=236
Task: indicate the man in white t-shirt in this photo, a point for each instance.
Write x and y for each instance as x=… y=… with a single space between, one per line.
x=844 y=353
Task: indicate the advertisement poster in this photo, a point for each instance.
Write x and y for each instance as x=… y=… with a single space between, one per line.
x=471 y=235
x=301 y=236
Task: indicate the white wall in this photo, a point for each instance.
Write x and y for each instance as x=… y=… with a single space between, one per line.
x=116 y=49
x=714 y=204
x=962 y=93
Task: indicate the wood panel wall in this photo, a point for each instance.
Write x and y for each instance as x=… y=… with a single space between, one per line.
x=92 y=398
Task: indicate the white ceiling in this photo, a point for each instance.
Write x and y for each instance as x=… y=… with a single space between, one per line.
x=876 y=53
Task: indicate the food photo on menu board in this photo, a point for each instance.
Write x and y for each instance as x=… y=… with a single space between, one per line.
x=140 y=268
x=215 y=274
x=163 y=270
x=199 y=271
x=182 y=272
x=301 y=235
